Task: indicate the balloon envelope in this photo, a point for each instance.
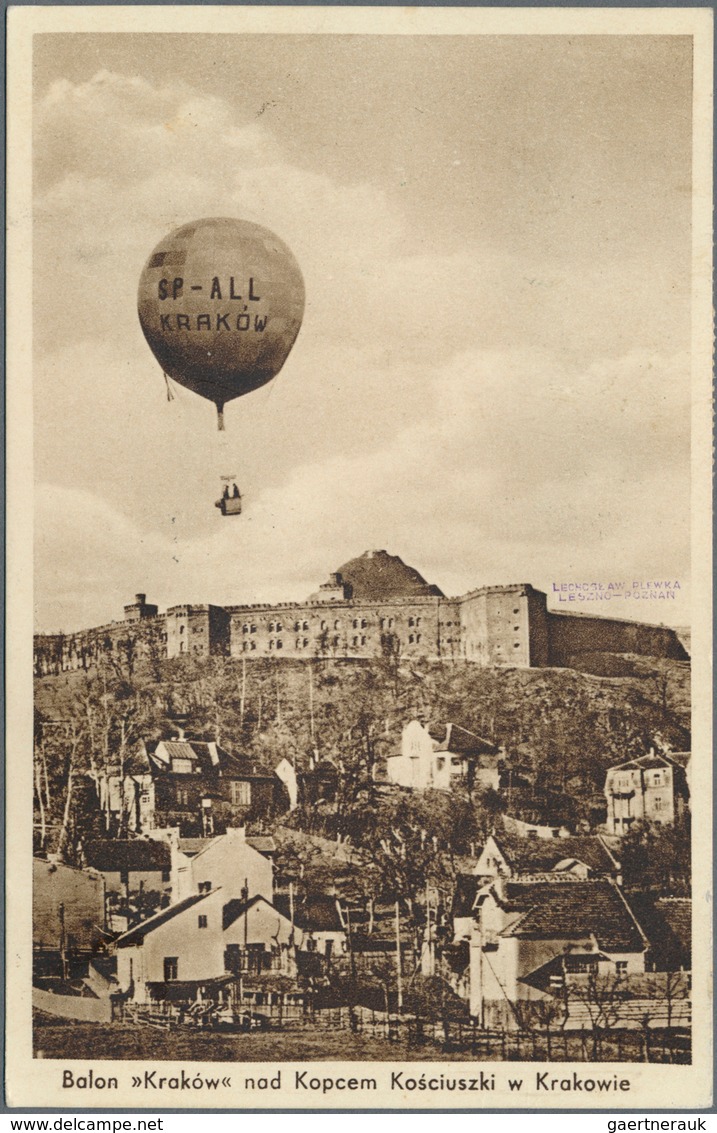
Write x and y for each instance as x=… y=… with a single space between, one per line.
x=220 y=303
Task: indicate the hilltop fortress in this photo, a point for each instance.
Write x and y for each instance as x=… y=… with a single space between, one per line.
x=373 y=606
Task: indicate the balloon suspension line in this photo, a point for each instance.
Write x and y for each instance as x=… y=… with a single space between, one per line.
x=170 y=395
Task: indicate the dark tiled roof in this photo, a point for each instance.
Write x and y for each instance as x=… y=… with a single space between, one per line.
x=136 y=855
x=262 y=843
x=651 y=761
x=570 y=909
x=209 y=759
x=137 y=934
x=236 y=907
x=317 y=913
x=541 y=855
x=667 y=923
x=453 y=737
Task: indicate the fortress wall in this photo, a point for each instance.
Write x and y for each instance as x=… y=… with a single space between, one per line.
x=570 y=635
x=539 y=639
x=495 y=626
x=336 y=629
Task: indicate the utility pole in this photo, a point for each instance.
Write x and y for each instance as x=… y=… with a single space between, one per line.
x=311 y=703
x=399 y=980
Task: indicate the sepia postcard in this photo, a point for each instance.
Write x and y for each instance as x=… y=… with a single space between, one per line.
x=359 y=573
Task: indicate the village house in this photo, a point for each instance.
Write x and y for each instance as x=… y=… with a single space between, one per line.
x=528 y=938
x=130 y=866
x=205 y=937
x=506 y=854
x=441 y=757
x=650 y=787
x=318 y=915
x=231 y=861
x=68 y=915
x=190 y=784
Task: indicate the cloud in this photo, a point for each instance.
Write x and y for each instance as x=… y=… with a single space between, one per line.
x=467 y=494
x=488 y=418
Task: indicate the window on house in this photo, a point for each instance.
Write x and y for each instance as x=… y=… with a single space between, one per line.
x=657 y=802
x=204 y=887
x=166 y=875
x=182 y=766
x=440 y=763
x=202 y=921
x=182 y=796
x=621 y=967
x=241 y=794
x=171 y=968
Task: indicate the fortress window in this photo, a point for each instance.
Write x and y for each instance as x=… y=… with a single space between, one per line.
x=516 y=611
x=355 y=623
x=336 y=641
x=354 y=641
x=304 y=625
x=271 y=627
x=253 y=645
x=336 y=624
x=202 y=921
x=245 y=628
x=418 y=621
x=252 y=629
x=279 y=644
x=411 y=637
x=297 y=627
x=363 y=639
x=364 y=623
x=412 y=621
x=390 y=623
x=324 y=625
x=298 y=643
x=271 y=643
x=306 y=642
x=418 y=638
x=181 y=630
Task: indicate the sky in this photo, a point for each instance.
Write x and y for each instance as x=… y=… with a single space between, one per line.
x=492 y=379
